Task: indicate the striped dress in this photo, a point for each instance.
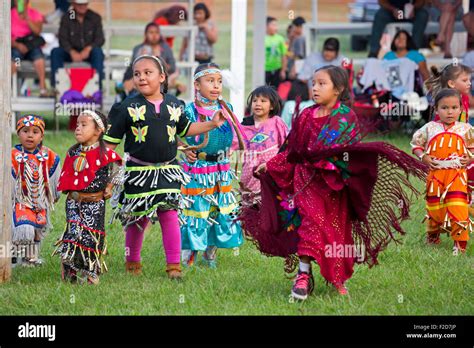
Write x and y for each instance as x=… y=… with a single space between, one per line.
x=209 y=199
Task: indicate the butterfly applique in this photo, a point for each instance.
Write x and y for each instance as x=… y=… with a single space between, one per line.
x=175 y=113
x=171 y=134
x=137 y=113
x=140 y=133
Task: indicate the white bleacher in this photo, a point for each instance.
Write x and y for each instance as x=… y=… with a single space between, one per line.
x=26 y=69
x=312 y=33
x=114 y=60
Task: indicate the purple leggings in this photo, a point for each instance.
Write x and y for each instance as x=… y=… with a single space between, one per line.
x=171 y=237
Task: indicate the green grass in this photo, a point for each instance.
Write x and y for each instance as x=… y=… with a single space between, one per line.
x=412 y=278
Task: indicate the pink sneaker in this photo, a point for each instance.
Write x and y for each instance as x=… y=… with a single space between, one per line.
x=303 y=285
x=341 y=289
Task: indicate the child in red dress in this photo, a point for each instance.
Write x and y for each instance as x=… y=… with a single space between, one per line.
x=335 y=196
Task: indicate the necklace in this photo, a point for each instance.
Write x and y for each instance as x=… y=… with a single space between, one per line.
x=89 y=147
x=80 y=163
x=204 y=101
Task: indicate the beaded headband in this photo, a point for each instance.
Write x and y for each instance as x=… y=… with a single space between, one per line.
x=207 y=72
x=96 y=118
x=151 y=57
x=30 y=120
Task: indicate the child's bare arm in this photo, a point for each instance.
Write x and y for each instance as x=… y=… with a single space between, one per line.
x=108 y=190
x=425 y=158
x=202 y=127
x=115 y=177
x=110 y=145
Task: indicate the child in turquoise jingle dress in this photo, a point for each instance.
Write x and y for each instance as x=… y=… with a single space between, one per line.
x=210 y=203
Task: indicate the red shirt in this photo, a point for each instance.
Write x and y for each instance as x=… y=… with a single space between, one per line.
x=163 y=21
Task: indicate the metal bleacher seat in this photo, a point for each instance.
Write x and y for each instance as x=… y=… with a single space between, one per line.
x=113 y=62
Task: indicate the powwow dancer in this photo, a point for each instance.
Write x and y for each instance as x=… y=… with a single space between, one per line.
x=151 y=122
x=87 y=177
x=210 y=202
x=265 y=133
x=445 y=146
x=326 y=191
x=35 y=175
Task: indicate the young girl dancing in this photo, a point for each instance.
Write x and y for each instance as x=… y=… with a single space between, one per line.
x=150 y=123
x=326 y=191
x=458 y=77
x=445 y=146
x=87 y=177
x=210 y=202
x=35 y=175
x=455 y=76
x=265 y=133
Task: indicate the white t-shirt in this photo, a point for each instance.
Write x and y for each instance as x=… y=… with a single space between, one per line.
x=397 y=75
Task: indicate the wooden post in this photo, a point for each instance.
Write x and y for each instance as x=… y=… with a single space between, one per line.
x=5 y=142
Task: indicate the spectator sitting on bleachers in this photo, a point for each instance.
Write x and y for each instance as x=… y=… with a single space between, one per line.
x=206 y=35
x=80 y=40
x=171 y=16
x=329 y=56
x=403 y=46
x=153 y=44
x=446 y=12
x=468 y=20
x=26 y=41
x=394 y=11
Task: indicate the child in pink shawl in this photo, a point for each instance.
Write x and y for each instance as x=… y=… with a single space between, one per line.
x=264 y=134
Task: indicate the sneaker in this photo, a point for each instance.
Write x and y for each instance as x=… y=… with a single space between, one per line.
x=303 y=285
x=341 y=289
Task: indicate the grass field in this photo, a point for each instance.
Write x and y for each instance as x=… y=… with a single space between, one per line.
x=412 y=279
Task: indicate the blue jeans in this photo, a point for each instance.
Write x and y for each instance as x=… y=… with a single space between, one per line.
x=31 y=55
x=384 y=17
x=59 y=56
